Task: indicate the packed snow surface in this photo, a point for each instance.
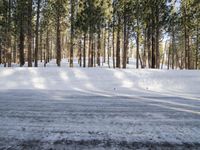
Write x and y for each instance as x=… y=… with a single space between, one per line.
x=99 y=108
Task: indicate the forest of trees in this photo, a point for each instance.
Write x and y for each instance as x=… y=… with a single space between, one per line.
x=155 y=32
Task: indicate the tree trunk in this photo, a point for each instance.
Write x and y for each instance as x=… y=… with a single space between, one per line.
x=15 y=49
x=29 y=38
x=4 y=58
x=84 y=51
x=186 y=50
x=104 y=52
x=89 y=51
x=58 y=42
x=72 y=34
x=92 y=51
x=153 y=44
x=21 y=39
x=45 y=62
x=51 y=48
x=37 y=32
x=113 y=38
x=9 y=35
x=41 y=46
x=149 y=45
x=118 y=44
x=108 y=49
x=99 y=49
x=0 y=53
x=138 y=45
x=21 y=47
x=125 y=42
x=145 y=47
x=80 y=52
x=173 y=46
x=113 y=43
x=157 y=38
x=197 y=49
x=168 y=61
x=47 y=46
x=189 y=53
x=138 y=38
x=186 y=39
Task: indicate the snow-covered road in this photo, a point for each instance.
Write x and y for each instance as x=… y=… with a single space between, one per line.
x=42 y=119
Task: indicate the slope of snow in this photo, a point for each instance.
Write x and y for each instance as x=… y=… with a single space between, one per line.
x=104 y=80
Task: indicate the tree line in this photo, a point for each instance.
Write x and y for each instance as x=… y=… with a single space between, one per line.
x=156 y=33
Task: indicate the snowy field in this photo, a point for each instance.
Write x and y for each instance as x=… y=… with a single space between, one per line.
x=99 y=108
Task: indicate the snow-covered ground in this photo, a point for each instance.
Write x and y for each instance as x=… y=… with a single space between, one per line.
x=99 y=108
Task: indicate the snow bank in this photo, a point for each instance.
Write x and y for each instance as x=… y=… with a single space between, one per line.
x=102 y=81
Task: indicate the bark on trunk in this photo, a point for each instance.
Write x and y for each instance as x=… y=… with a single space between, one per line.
x=84 y=51
x=72 y=34
x=58 y=42
x=157 y=38
x=41 y=46
x=37 y=30
x=197 y=49
x=99 y=49
x=80 y=53
x=108 y=49
x=104 y=51
x=29 y=38
x=21 y=45
x=89 y=51
x=149 y=45
x=118 y=44
x=153 y=63
x=0 y=53
x=125 y=42
x=145 y=48
x=47 y=47
x=173 y=46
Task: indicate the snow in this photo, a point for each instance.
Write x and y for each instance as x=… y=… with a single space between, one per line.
x=102 y=80
x=99 y=108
